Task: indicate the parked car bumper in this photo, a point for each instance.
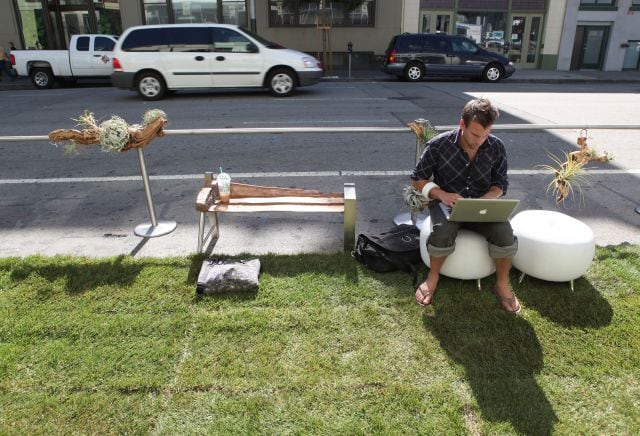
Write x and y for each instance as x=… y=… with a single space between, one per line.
x=509 y=70
x=307 y=78
x=396 y=69
x=122 y=80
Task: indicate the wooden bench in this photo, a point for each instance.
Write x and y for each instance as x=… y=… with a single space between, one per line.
x=247 y=198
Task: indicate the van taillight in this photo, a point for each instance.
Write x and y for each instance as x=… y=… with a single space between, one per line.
x=13 y=59
x=392 y=56
x=116 y=64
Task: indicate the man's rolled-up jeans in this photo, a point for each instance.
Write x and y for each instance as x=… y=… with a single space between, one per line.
x=442 y=240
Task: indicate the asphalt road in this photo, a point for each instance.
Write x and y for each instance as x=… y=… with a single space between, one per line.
x=89 y=203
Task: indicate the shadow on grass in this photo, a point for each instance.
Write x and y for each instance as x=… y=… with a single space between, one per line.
x=80 y=276
x=500 y=354
x=583 y=307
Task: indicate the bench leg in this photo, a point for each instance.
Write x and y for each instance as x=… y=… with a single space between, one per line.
x=349 y=216
x=214 y=230
x=200 y=232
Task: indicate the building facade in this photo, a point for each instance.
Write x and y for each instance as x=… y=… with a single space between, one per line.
x=558 y=34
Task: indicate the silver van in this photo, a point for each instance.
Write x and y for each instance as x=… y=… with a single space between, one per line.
x=158 y=58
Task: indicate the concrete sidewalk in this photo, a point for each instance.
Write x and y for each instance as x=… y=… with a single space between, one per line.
x=520 y=76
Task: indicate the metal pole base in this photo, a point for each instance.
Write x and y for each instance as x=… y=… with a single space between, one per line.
x=147 y=230
x=405 y=218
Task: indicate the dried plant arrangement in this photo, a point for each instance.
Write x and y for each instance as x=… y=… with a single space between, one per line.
x=569 y=175
x=114 y=134
x=411 y=197
x=423 y=130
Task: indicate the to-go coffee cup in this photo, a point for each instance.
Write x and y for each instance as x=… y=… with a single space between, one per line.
x=224 y=187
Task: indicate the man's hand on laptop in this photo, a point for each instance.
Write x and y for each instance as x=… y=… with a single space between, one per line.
x=448 y=198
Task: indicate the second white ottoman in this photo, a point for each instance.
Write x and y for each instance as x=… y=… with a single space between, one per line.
x=552 y=246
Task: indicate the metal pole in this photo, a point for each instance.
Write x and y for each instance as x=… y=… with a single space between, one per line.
x=252 y=14
x=155 y=228
x=260 y=130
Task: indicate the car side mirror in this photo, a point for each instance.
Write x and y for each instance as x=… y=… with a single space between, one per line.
x=252 y=48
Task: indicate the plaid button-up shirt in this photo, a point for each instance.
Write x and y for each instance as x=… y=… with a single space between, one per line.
x=445 y=160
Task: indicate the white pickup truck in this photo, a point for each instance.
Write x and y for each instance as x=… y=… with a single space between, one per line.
x=88 y=56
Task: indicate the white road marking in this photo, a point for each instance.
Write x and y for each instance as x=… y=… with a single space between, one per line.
x=275 y=174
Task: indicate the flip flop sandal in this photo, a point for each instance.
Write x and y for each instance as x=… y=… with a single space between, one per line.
x=510 y=302
x=424 y=295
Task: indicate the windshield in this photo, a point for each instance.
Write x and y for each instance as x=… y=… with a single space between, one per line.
x=260 y=39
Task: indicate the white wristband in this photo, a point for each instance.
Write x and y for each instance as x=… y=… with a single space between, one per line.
x=427 y=188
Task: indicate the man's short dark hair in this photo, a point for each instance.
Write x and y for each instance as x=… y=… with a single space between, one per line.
x=480 y=110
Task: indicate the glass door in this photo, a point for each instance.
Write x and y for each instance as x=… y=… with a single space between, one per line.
x=524 y=47
x=593 y=43
x=632 y=56
x=435 y=22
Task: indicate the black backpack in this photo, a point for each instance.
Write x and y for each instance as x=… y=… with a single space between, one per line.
x=396 y=249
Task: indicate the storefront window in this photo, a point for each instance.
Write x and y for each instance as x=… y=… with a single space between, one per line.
x=195 y=11
x=234 y=12
x=33 y=20
x=187 y=11
x=597 y=2
x=108 y=17
x=309 y=13
x=632 y=56
x=487 y=29
x=70 y=2
x=156 y=12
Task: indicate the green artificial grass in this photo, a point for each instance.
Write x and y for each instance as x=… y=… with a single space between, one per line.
x=123 y=345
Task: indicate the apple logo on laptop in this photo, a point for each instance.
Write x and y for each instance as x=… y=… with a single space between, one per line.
x=482 y=212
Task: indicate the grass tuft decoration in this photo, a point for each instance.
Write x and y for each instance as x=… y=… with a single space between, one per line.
x=423 y=130
x=152 y=115
x=569 y=175
x=114 y=134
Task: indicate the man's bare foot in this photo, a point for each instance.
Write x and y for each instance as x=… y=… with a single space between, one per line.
x=426 y=291
x=507 y=299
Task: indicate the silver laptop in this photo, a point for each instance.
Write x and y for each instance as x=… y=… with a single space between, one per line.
x=480 y=210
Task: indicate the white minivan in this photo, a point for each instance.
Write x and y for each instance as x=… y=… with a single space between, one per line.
x=154 y=59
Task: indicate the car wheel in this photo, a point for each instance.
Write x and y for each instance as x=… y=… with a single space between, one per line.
x=281 y=82
x=493 y=73
x=414 y=72
x=151 y=86
x=42 y=78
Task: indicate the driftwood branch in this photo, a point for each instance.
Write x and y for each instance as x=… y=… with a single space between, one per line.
x=139 y=136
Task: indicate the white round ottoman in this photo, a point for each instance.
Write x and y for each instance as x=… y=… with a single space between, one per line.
x=470 y=260
x=552 y=246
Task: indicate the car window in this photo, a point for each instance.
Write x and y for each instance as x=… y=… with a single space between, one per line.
x=410 y=44
x=463 y=46
x=392 y=44
x=103 y=44
x=82 y=43
x=189 y=39
x=145 y=40
x=435 y=44
x=228 y=40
